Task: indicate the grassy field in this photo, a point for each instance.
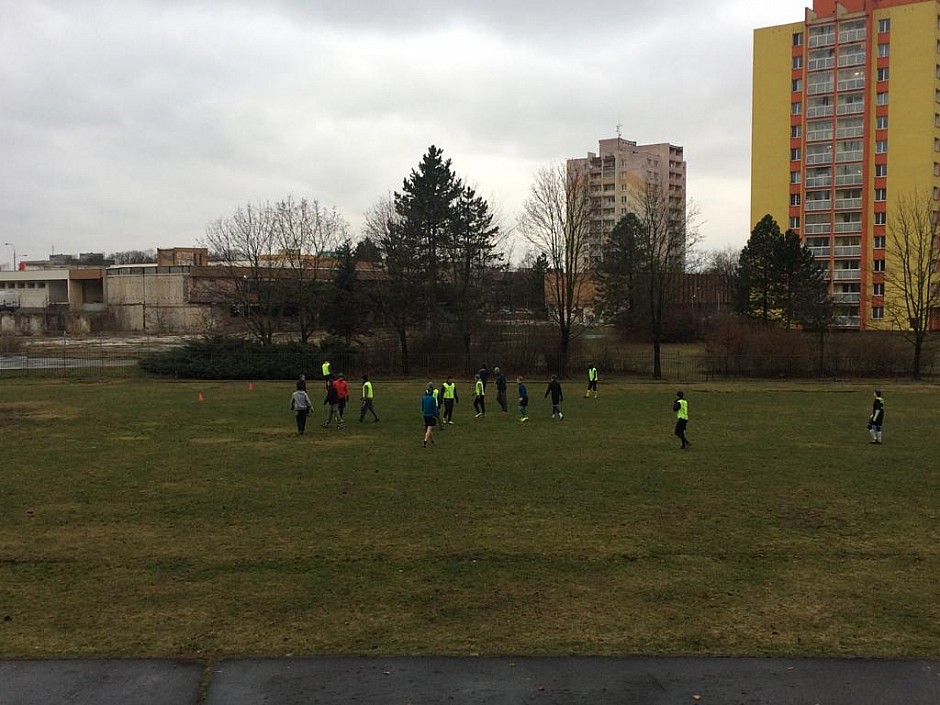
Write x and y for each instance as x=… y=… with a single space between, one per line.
x=136 y=520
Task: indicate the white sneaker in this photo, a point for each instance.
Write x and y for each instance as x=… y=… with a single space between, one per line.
x=560 y=416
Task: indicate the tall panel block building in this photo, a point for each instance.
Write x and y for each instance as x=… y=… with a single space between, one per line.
x=846 y=121
x=618 y=172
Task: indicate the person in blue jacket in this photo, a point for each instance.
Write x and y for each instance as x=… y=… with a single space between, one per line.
x=429 y=410
x=523 y=401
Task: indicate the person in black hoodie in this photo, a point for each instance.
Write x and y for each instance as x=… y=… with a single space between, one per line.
x=554 y=388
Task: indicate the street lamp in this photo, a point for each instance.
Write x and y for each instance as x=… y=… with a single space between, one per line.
x=10 y=244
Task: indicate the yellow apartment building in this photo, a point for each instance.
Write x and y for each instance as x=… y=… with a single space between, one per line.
x=846 y=121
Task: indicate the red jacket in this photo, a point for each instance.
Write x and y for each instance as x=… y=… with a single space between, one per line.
x=342 y=389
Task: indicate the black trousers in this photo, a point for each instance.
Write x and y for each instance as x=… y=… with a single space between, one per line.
x=301 y=417
x=448 y=409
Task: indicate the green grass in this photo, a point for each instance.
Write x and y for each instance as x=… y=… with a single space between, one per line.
x=137 y=521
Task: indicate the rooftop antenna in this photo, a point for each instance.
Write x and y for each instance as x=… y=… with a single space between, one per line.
x=619 y=130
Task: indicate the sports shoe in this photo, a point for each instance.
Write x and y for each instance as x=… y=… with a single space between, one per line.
x=477 y=416
x=560 y=416
x=525 y=418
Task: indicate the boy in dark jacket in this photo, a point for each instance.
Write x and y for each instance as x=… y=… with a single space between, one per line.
x=554 y=388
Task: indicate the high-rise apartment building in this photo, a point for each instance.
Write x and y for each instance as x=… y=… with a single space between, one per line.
x=618 y=173
x=846 y=121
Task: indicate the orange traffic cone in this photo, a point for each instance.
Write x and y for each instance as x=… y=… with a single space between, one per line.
x=251 y=386
x=200 y=397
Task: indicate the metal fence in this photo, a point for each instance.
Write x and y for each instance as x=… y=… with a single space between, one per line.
x=676 y=366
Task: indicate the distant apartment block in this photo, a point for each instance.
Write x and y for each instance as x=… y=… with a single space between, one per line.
x=618 y=173
x=846 y=121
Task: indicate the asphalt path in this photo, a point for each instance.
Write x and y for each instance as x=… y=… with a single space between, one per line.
x=462 y=681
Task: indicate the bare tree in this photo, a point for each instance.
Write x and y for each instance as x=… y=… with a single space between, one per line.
x=667 y=235
x=247 y=243
x=911 y=279
x=308 y=235
x=556 y=222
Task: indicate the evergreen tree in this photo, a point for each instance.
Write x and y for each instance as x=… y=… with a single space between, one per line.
x=469 y=254
x=777 y=278
x=347 y=310
x=757 y=281
x=619 y=274
x=425 y=209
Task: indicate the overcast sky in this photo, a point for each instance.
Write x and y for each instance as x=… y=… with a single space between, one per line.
x=132 y=124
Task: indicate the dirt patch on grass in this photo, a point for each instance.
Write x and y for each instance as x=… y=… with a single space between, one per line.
x=31 y=412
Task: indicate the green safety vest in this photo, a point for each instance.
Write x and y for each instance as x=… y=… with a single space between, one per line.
x=367 y=390
x=592 y=374
x=450 y=390
x=683 y=412
x=436 y=393
x=479 y=389
x=326 y=368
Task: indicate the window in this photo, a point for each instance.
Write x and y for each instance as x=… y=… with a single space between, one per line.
x=880 y=241
x=881 y=218
x=883 y=74
x=936 y=144
x=794 y=199
x=936 y=167
x=878 y=290
x=877 y=313
x=881 y=146
x=794 y=177
x=796 y=109
x=881 y=122
x=881 y=170
x=796 y=131
x=798 y=62
x=881 y=98
x=795 y=154
x=883 y=50
x=796 y=85
x=798 y=39
x=884 y=25
x=794 y=222
x=879 y=265
x=881 y=194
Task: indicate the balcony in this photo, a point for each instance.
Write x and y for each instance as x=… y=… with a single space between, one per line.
x=852 y=84
x=849 y=180
x=841 y=275
x=817 y=228
x=819 y=252
x=821 y=40
x=818 y=135
x=846 y=298
x=853 y=156
x=816 y=181
x=823 y=158
x=852 y=35
x=819 y=111
x=850 y=109
x=851 y=60
x=846 y=321
x=818 y=205
x=844 y=132
x=817 y=88
x=848 y=251
x=850 y=227
x=820 y=64
x=844 y=204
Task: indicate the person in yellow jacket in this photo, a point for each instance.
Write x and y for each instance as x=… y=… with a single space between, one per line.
x=449 y=389
x=368 y=395
x=681 y=407
x=479 y=397
x=592 y=382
